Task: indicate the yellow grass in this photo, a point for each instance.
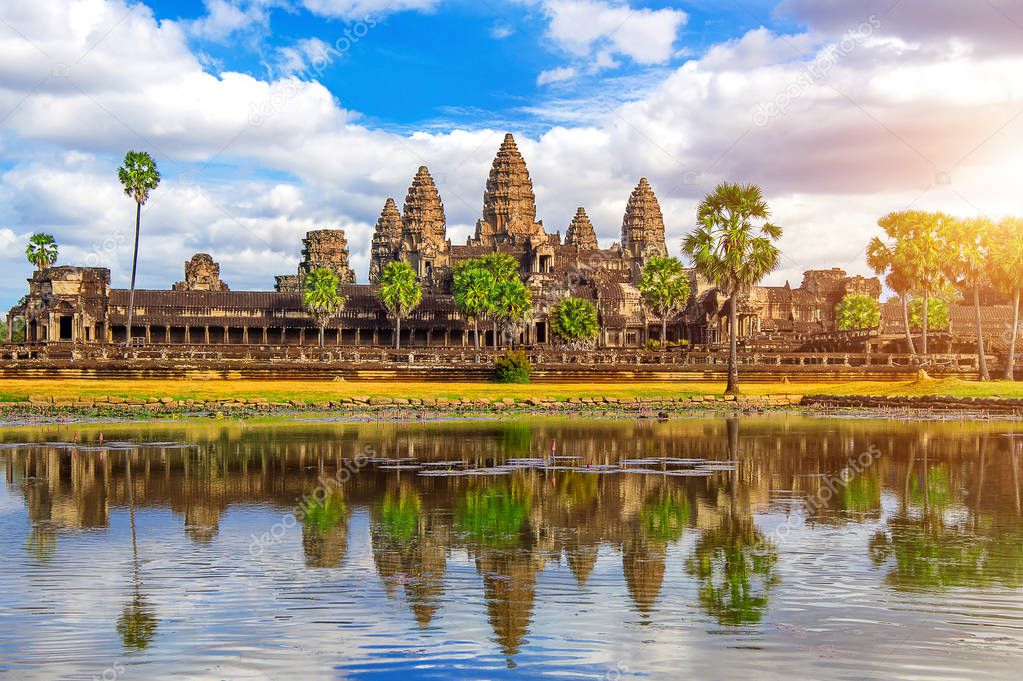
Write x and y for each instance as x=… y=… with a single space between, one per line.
x=314 y=391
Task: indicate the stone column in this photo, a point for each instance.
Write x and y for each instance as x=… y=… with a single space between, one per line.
x=206 y=334
x=167 y=335
x=188 y=334
x=358 y=337
x=245 y=335
x=149 y=334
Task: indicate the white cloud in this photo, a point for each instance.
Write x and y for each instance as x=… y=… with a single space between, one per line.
x=359 y=9
x=584 y=27
x=224 y=18
x=501 y=31
x=555 y=75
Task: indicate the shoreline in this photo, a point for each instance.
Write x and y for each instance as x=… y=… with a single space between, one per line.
x=46 y=410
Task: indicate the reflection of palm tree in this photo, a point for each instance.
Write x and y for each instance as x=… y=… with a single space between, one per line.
x=495 y=516
x=137 y=623
x=734 y=561
x=735 y=564
x=325 y=532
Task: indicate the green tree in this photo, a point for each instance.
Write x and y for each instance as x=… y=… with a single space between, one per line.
x=41 y=250
x=400 y=292
x=511 y=305
x=893 y=260
x=937 y=313
x=472 y=289
x=574 y=321
x=321 y=298
x=664 y=286
x=139 y=177
x=857 y=313
x=506 y=292
x=918 y=251
x=733 y=247
x=1007 y=273
x=967 y=260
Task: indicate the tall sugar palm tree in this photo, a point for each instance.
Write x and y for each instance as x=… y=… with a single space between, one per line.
x=575 y=322
x=966 y=264
x=400 y=293
x=41 y=250
x=888 y=260
x=1007 y=271
x=139 y=176
x=321 y=298
x=473 y=289
x=733 y=247
x=664 y=286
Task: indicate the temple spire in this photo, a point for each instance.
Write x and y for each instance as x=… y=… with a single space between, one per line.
x=386 y=240
x=509 y=204
x=581 y=232
x=422 y=217
x=643 y=224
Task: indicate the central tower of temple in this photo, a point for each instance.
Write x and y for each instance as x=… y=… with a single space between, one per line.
x=509 y=204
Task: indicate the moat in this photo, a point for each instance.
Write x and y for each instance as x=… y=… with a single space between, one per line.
x=780 y=546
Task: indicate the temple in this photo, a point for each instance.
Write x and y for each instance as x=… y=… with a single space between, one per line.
x=77 y=304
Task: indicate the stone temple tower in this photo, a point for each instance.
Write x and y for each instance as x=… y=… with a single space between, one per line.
x=321 y=249
x=424 y=243
x=509 y=204
x=643 y=224
x=386 y=240
x=581 y=233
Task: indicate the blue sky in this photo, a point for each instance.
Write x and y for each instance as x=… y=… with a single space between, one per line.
x=840 y=111
x=461 y=64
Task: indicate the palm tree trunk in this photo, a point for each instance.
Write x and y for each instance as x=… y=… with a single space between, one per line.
x=476 y=333
x=397 y=332
x=495 y=335
x=134 y=263
x=981 y=353
x=321 y=337
x=1010 y=365
x=905 y=321
x=664 y=333
x=733 y=349
x=923 y=325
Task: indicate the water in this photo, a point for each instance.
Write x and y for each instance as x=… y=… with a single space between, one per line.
x=817 y=548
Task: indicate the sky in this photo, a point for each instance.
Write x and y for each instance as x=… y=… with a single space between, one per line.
x=269 y=118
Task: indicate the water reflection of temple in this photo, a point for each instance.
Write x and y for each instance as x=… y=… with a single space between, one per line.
x=955 y=491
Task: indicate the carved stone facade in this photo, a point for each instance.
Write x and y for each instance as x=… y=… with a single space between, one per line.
x=643 y=224
x=581 y=233
x=386 y=240
x=68 y=303
x=321 y=249
x=201 y=274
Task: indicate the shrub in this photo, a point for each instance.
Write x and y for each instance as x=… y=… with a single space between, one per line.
x=512 y=367
x=574 y=322
x=653 y=345
x=857 y=313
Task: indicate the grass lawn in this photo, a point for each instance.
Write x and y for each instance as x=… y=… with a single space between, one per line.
x=12 y=390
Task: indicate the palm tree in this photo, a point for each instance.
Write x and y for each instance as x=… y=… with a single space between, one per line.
x=472 y=291
x=918 y=251
x=41 y=250
x=503 y=268
x=966 y=264
x=890 y=259
x=511 y=305
x=139 y=176
x=1007 y=270
x=400 y=293
x=574 y=321
x=321 y=298
x=664 y=285
x=733 y=247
